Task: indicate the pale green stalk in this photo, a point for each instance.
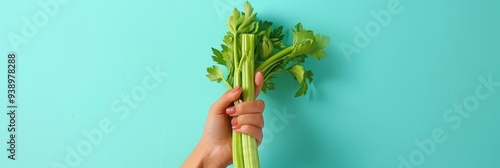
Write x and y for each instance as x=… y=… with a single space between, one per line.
x=249 y=144
x=264 y=67
x=237 y=150
x=245 y=154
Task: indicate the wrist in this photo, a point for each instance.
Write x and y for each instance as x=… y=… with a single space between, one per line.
x=201 y=157
x=206 y=154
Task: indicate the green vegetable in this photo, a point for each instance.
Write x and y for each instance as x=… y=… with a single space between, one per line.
x=250 y=46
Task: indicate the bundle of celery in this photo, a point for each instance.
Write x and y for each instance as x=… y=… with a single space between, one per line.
x=251 y=46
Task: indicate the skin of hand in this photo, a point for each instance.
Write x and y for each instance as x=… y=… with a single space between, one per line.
x=214 y=148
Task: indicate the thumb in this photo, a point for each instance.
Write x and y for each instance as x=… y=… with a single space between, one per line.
x=219 y=107
x=259 y=81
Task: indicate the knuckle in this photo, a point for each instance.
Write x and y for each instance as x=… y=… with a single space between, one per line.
x=259 y=137
x=245 y=129
x=249 y=129
x=240 y=107
x=242 y=119
x=261 y=104
x=212 y=107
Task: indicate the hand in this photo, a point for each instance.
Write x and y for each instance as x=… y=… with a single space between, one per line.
x=214 y=148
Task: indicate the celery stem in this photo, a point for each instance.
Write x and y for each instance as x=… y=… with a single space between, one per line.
x=245 y=142
x=273 y=59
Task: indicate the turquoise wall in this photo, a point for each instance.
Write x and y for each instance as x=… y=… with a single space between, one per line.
x=407 y=83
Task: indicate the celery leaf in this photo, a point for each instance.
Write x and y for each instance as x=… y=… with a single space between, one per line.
x=214 y=74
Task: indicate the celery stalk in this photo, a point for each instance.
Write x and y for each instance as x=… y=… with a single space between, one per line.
x=249 y=144
x=237 y=150
x=245 y=154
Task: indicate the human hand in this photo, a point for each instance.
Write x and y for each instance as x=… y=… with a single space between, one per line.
x=214 y=148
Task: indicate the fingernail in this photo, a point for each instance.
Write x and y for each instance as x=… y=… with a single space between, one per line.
x=236 y=89
x=234 y=121
x=235 y=127
x=231 y=110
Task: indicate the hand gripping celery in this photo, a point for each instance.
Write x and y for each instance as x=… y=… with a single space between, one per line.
x=251 y=46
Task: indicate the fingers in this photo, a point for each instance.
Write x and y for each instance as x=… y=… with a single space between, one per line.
x=249 y=119
x=251 y=130
x=219 y=107
x=232 y=95
x=259 y=82
x=248 y=107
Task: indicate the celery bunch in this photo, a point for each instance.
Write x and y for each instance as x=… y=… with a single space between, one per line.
x=250 y=46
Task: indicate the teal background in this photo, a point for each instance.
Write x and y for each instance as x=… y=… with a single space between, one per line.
x=359 y=114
